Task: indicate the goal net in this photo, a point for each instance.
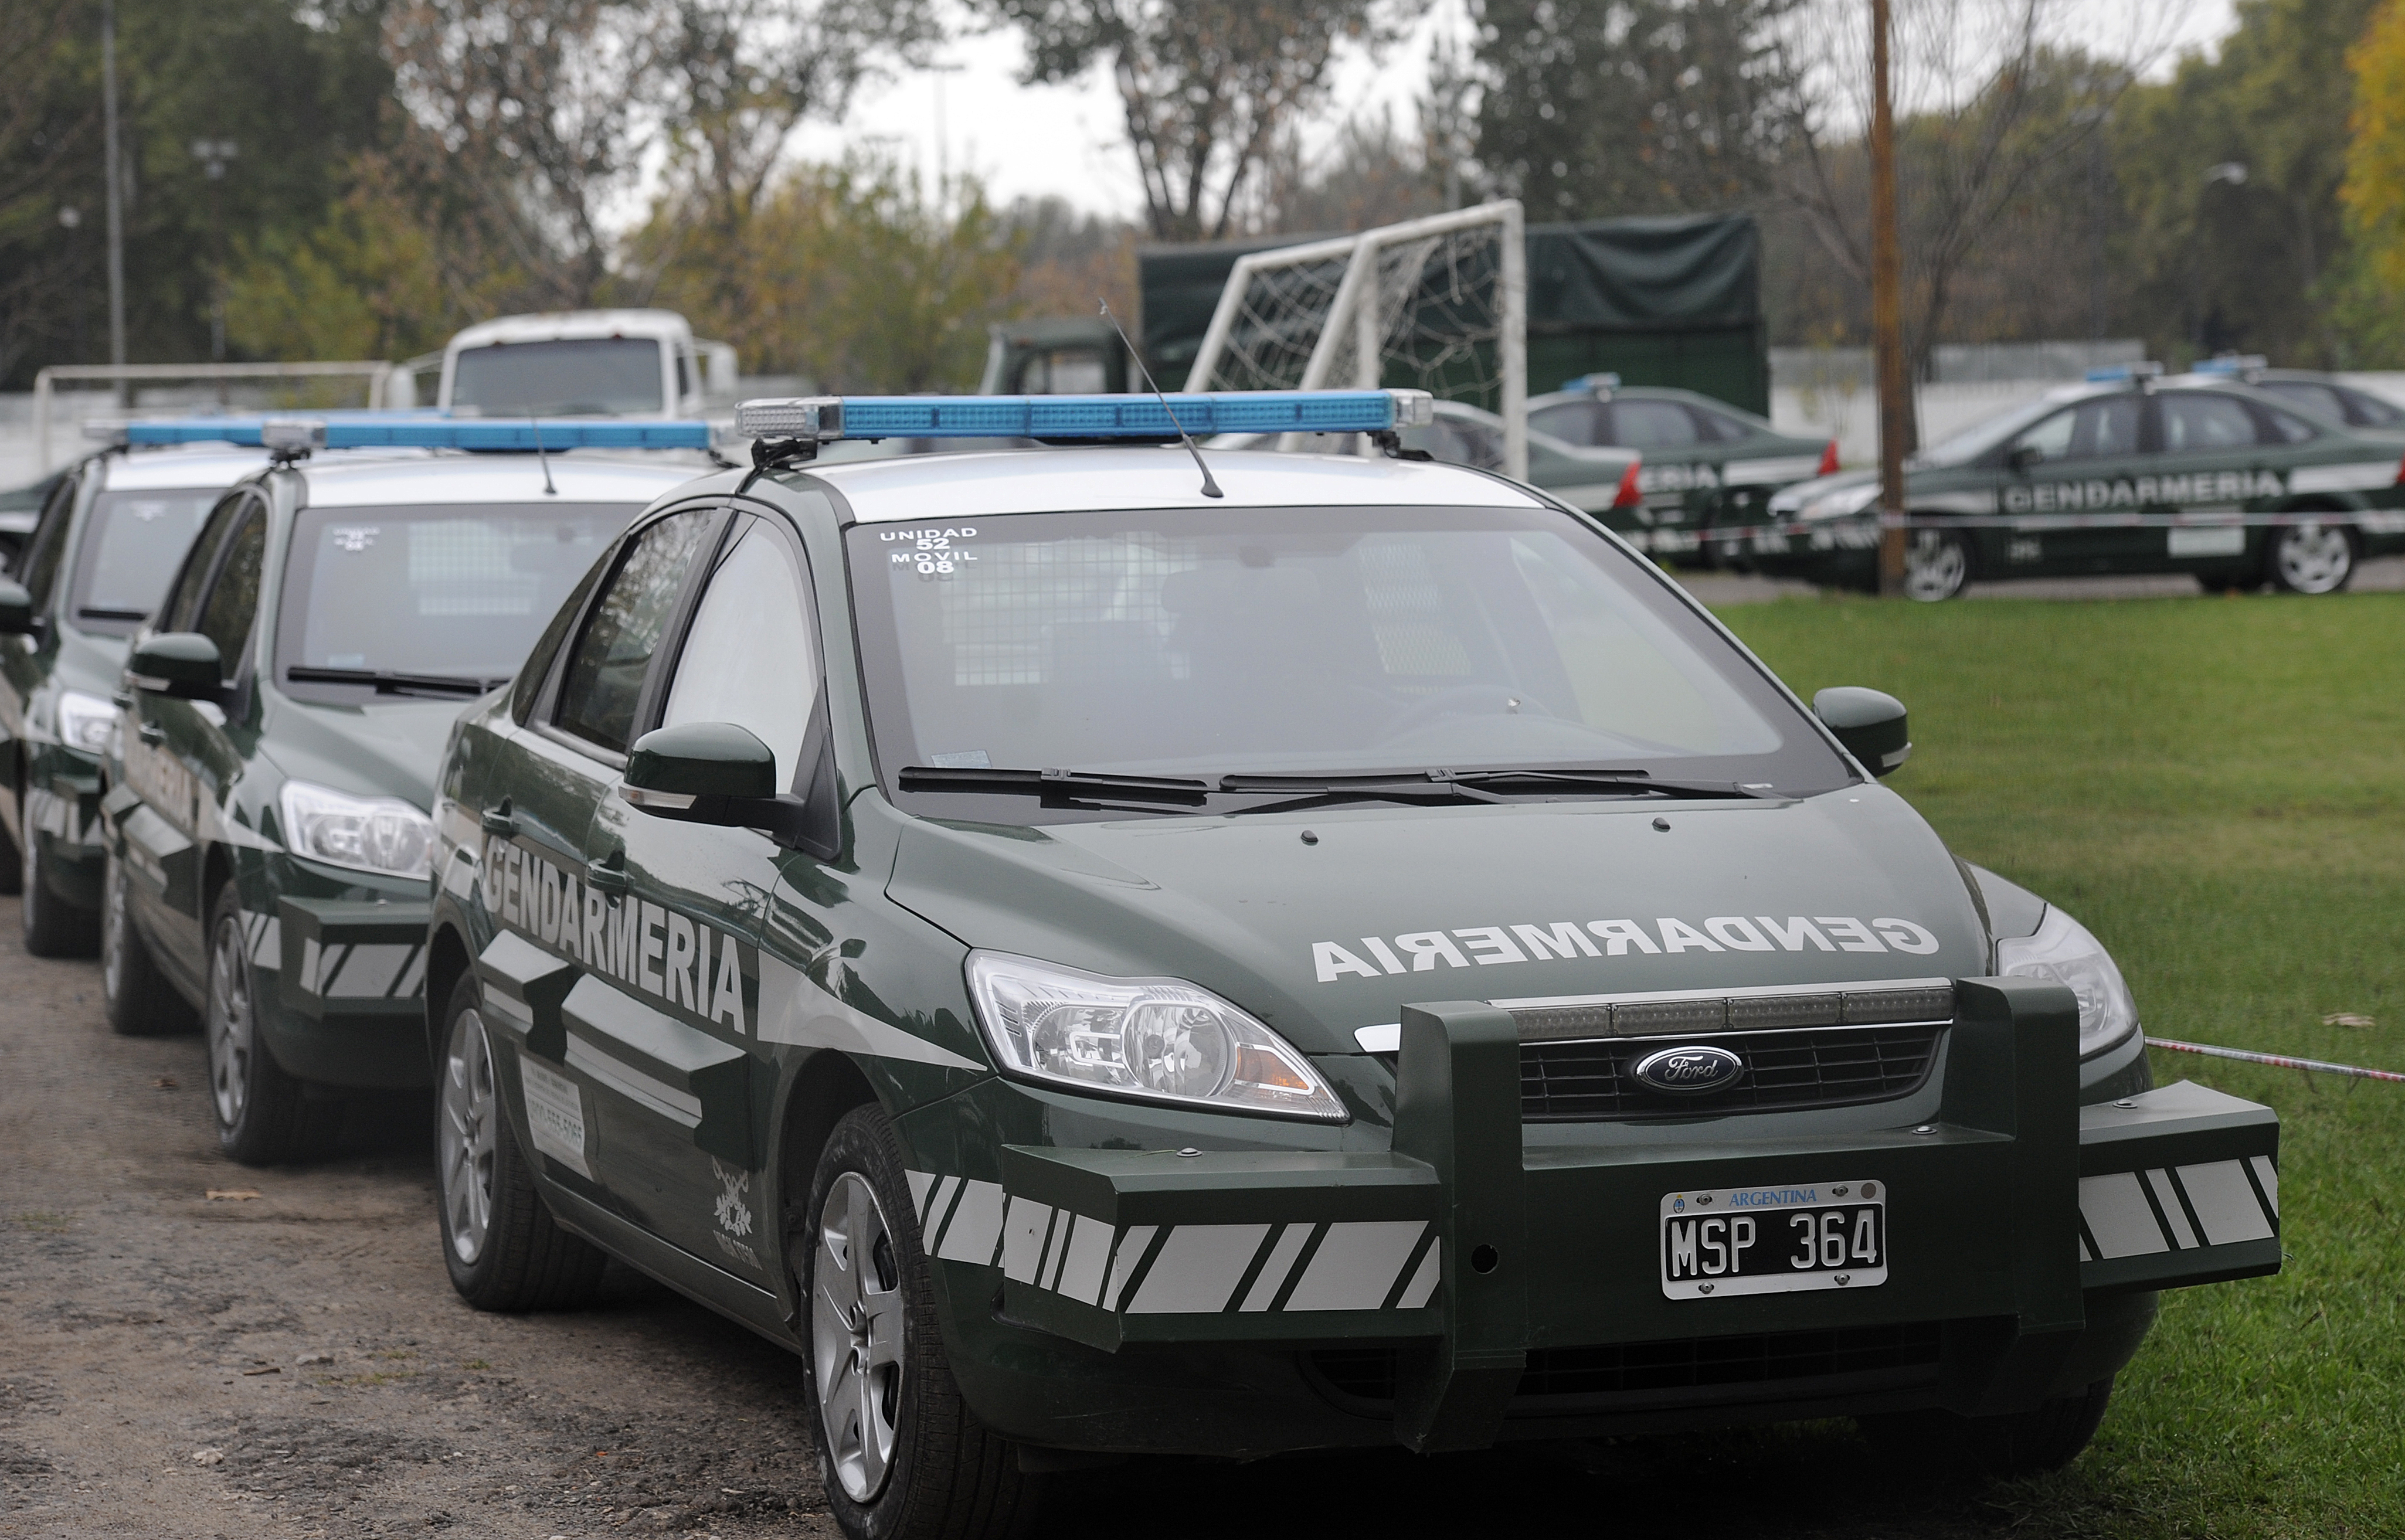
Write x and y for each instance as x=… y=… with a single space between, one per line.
x=1439 y=303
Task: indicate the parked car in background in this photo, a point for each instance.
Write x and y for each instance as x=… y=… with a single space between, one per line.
x=583 y=363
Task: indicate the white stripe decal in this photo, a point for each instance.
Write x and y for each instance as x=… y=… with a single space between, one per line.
x=2268 y=1175
x=2353 y=476
x=1198 y=1269
x=1423 y=1283
x=1273 y=1272
x=1123 y=1262
x=266 y=942
x=676 y=1106
x=1024 y=1227
x=1089 y=1253
x=975 y=1229
x=921 y=1183
x=795 y=1008
x=947 y=1188
x=2167 y=1198
x=413 y=978
x=1356 y=1265
x=2115 y=1207
x=459 y=877
x=2225 y=1203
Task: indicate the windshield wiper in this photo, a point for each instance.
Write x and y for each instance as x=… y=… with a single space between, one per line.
x=388 y=684
x=1469 y=786
x=1078 y=783
x=101 y=613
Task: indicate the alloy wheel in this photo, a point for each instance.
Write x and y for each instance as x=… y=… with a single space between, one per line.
x=856 y=1313
x=467 y=1135
x=1935 y=566
x=30 y=868
x=230 y=1042
x=112 y=929
x=2313 y=558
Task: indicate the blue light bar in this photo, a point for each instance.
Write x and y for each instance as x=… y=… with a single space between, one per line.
x=1599 y=384
x=824 y=419
x=430 y=430
x=2231 y=363
x=2123 y=374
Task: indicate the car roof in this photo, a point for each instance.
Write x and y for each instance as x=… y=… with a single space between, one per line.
x=581 y=478
x=956 y=487
x=178 y=466
x=550 y=325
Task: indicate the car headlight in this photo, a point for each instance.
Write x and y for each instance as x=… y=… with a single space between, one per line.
x=1842 y=503
x=382 y=834
x=1149 y=1039
x=85 y=721
x=2063 y=951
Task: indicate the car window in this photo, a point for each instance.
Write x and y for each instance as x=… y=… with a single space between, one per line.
x=2090 y=430
x=2285 y=427
x=604 y=682
x=1458 y=440
x=49 y=543
x=1719 y=426
x=748 y=657
x=1062 y=371
x=572 y=377
x=131 y=542
x=2313 y=396
x=1651 y=424
x=2196 y=422
x=183 y=601
x=2366 y=410
x=1580 y=423
x=232 y=603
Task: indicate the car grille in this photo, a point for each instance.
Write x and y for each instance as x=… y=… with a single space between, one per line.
x=1681 y=1363
x=1821 y=1067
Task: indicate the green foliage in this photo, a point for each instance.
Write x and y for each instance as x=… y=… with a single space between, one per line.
x=2211 y=785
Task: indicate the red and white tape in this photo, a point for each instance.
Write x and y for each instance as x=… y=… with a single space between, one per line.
x=2278 y=1061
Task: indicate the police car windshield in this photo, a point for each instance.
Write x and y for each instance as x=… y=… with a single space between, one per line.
x=132 y=543
x=585 y=376
x=455 y=592
x=1303 y=641
x=1967 y=444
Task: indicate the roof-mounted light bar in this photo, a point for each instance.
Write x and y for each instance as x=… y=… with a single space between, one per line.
x=823 y=419
x=1595 y=384
x=2136 y=373
x=410 y=430
x=2236 y=364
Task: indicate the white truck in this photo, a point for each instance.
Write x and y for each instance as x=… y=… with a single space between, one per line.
x=576 y=363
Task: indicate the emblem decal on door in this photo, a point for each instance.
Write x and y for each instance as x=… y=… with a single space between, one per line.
x=734 y=1215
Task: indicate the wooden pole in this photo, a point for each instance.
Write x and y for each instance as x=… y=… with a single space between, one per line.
x=1887 y=315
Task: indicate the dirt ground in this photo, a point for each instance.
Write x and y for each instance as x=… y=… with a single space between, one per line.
x=178 y=1360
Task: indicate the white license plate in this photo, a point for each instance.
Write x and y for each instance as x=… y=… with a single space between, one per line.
x=2219 y=540
x=1774 y=1239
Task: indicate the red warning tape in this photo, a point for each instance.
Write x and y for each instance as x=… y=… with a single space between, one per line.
x=2281 y=1061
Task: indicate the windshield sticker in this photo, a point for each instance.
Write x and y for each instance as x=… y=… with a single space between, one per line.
x=353 y=538
x=1420 y=951
x=149 y=513
x=931 y=551
x=966 y=759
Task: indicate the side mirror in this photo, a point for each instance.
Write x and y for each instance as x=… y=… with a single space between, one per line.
x=1869 y=723
x=181 y=664
x=16 y=610
x=719 y=773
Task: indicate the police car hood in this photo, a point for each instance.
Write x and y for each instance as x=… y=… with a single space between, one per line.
x=1523 y=901
x=384 y=749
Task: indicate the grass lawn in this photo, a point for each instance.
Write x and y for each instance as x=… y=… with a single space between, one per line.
x=2216 y=788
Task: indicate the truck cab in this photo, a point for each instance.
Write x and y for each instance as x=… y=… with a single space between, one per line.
x=583 y=363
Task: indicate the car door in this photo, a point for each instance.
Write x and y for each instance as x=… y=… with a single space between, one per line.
x=26 y=660
x=2211 y=468
x=2069 y=493
x=672 y=1035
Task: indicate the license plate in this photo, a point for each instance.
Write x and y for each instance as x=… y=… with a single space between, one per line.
x=1774 y=1240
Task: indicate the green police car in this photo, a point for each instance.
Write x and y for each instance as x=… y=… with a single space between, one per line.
x=264 y=804
x=2129 y=472
x=1709 y=469
x=111 y=532
x=1098 y=954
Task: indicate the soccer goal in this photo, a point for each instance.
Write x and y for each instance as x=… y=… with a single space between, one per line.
x=1440 y=303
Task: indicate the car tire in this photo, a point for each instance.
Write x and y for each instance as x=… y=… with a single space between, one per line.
x=264 y=1114
x=11 y=863
x=135 y=994
x=504 y=1248
x=53 y=927
x=902 y=1456
x=2046 y=1438
x=2314 y=557
x=1937 y=565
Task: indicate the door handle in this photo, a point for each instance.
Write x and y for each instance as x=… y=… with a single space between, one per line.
x=150 y=732
x=498 y=821
x=607 y=873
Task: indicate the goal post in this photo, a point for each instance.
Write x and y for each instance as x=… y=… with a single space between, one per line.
x=1441 y=302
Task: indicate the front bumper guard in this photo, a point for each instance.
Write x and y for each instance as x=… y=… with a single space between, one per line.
x=340 y=959
x=1467 y=1248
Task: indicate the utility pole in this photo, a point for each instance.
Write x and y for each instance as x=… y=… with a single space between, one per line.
x=213 y=154
x=1887 y=315
x=116 y=198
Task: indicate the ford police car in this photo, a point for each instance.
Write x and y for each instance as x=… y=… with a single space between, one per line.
x=2126 y=473
x=1116 y=949
x=1709 y=469
x=114 y=528
x=264 y=807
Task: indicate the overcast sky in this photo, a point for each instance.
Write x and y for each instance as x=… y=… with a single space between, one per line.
x=1028 y=141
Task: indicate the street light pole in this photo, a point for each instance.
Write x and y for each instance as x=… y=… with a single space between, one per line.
x=116 y=198
x=1887 y=315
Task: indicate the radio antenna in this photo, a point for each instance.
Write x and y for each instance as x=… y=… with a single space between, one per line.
x=541 y=459
x=1210 y=487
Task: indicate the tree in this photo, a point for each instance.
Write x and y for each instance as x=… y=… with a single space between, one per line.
x=1599 y=108
x=48 y=124
x=1205 y=85
x=2373 y=192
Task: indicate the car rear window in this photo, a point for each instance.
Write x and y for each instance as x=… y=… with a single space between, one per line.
x=583 y=376
x=132 y=543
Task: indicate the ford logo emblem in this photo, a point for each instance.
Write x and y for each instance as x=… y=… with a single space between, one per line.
x=1689 y=1070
